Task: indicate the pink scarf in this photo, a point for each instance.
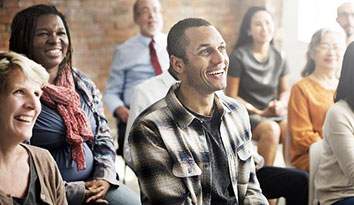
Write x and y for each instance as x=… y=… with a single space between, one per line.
x=63 y=98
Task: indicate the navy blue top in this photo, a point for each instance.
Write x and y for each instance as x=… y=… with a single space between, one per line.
x=49 y=132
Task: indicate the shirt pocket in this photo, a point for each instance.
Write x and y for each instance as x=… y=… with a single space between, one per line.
x=184 y=170
x=244 y=165
x=244 y=154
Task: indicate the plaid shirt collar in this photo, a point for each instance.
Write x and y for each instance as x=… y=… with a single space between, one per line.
x=181 y=115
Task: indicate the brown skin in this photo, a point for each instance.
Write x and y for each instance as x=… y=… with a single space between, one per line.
x=50 y=44
x=205 y=54
x=96 y=190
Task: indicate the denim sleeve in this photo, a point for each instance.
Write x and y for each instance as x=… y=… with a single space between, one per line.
x=115 y=84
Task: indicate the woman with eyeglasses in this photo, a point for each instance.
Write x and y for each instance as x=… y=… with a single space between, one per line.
x=311 y=97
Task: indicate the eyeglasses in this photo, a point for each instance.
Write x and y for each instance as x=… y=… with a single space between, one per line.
x=345 y=15
x=325 y=47
x=147 y=11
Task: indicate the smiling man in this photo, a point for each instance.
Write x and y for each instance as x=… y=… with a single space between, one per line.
x=136 y=60
x=345 y=18
x=194 y=146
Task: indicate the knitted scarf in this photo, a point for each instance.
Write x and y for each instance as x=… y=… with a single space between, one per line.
x=63 y=98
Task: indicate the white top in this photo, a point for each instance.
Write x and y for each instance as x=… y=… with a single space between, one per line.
x=335 y=176
x=144 y=95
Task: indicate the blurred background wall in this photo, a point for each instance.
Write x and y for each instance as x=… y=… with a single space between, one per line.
x=98 y=26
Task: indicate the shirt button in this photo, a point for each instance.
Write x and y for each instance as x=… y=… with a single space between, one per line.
x=42 y=196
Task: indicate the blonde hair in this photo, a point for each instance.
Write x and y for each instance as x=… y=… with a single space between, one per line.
x=11 y=62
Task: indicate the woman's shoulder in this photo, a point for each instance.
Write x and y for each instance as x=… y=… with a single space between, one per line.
x=35 y=150
x=243 y=49
x=339 y=108
x=305 y=86
x=277 y=52
x=83 y=81
x=304 y=83
x=80 y=75
x=242 y=52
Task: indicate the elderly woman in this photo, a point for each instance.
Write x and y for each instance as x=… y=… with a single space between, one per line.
x=258 y=78
x=28 y=174
x=312 y=96
x=72 y=125
x=334 y=181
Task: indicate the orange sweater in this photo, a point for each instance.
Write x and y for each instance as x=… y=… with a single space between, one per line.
x=308 y=106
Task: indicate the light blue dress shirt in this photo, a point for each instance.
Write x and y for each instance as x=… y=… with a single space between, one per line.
x=132 y=65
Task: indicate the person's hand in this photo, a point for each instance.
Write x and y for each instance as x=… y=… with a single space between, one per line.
x=123 y=113
x=269 y=110
x=96 y=190
x=279 y=108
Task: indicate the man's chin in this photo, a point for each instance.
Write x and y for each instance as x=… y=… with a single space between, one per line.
x=349 y=31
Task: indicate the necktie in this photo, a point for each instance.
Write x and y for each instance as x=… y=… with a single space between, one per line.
x=153 y=57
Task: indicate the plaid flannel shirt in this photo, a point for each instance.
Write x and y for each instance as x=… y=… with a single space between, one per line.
x=171 y=156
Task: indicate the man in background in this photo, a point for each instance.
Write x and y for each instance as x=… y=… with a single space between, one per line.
x=345 y=18
x=136 y=60
x=144 y=95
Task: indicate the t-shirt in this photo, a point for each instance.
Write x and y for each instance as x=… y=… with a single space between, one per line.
x=259 y=81
x=221 y=189
x=49 y=132
x=34 y=189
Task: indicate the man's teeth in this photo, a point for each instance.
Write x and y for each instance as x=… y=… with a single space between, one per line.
x=24 y=118
x=217 y=72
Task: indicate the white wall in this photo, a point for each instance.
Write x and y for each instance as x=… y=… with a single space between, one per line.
x=294 y=50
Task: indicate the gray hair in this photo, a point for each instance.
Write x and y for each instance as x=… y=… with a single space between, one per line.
x=315 y=41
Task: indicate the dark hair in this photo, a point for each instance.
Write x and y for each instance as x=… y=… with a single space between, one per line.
x=243 y=36
x=23 y=28
x=176 y=41
x=346 y=82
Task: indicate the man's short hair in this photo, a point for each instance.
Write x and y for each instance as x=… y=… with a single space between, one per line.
x=135 y=9
x=176 y=41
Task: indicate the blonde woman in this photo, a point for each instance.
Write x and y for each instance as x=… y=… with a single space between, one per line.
x=28 y=174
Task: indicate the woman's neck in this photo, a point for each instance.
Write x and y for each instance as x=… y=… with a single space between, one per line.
x=8 y=153
x=325 y=77
x=53 y=73
x=260 y=51
x=322 y=73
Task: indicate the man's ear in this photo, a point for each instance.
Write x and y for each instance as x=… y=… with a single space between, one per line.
x=177 y=64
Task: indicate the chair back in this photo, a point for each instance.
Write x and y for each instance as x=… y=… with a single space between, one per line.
x=315 y=157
